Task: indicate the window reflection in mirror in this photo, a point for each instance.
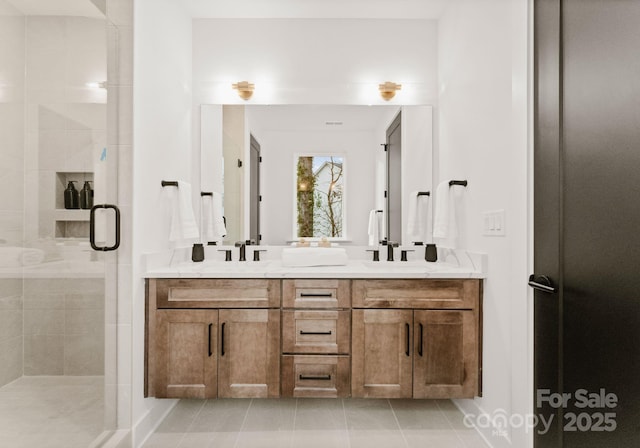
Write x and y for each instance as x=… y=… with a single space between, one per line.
x=320 y=195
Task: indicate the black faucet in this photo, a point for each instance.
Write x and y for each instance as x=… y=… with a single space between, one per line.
x=243 y=250
x=390 y=246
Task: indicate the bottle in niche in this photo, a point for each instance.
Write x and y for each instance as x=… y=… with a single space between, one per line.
x=71 y=196
x=86 y=196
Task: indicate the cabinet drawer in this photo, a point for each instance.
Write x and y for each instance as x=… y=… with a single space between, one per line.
x=416 y=293
x=217 y=293
x=315 y=376
x=316 y=293
x=316 y=331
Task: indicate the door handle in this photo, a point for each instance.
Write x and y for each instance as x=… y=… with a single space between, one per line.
x=542 y=283
x=222 y=339
x=92 y=227
x=421 y=336
x=321 y=333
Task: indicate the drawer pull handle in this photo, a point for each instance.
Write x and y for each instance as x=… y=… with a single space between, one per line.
x=210 y=327
x=316 y=332
x=408 y=339
x=315 y=377
x=318 y=294
x=222 y=339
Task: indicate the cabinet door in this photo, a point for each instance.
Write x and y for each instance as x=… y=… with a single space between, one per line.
x=445 y=354
x=381 y=353
x=186 y=355
x=249 y=353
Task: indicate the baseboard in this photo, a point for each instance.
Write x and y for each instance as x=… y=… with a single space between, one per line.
x=150 y=421
x=113 y=439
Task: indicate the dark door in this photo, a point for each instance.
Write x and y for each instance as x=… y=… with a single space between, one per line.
x=254 y=193
x=587 y=222
x=394 y=192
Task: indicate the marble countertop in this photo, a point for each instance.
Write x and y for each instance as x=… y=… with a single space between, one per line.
x=274 y=269
x=455 y=264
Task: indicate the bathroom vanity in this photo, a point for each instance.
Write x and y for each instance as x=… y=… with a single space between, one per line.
x=313 y=333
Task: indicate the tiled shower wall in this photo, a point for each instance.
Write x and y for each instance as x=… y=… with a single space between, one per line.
x=12 y=61
x=64 y=326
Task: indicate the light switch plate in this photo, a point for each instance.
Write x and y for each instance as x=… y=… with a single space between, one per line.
x=493 y=223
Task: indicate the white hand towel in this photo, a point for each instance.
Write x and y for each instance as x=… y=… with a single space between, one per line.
x=213 y=227
x=444 y=222
x=183 y=220
x=418 y=217
x=374 y=227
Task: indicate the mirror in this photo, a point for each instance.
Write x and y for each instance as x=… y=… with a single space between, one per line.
x=285 y=132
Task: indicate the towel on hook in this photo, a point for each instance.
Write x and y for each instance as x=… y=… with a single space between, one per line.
x=374 y=227
x=213 y=227
x=418 y=217
x=183 y=220
x=444 y=220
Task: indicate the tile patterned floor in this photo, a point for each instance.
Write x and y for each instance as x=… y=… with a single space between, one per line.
x=311 y=423
x=51 y=412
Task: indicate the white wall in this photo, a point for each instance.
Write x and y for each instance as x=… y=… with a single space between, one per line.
x=314 y=61
x=162 y=141
x=483 y=138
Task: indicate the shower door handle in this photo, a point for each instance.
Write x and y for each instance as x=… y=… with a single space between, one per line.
x=92 y=227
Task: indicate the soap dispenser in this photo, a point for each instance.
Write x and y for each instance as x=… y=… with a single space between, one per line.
x=71 y=196
x=86 y=196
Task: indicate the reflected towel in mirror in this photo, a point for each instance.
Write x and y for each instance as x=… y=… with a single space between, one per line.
x=213 y=228
x=374 y=227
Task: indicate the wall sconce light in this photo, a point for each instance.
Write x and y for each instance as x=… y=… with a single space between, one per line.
x=244 y=88
x=388 y=90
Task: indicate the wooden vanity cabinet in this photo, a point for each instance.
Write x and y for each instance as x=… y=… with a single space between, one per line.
x=199 y=345
x=248 y=365
x=424 y=343
x=186 y=357
x=316 y=338
x=387 y=338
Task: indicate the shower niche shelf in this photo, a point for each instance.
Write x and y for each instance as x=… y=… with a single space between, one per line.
x=70 y=223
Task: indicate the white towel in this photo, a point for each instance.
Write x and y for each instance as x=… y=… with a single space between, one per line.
x=374 y=227
x=444 y=220
x=213 y=227
x=183 y=220
x=418 y=217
